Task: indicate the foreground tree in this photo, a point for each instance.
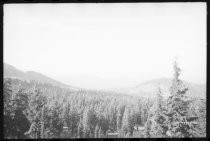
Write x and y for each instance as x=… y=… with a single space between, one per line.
x=8 y=109
x=20 y=121
x=15 y=105
x=178 y=120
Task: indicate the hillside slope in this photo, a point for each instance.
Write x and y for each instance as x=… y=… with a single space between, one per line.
x=10 y=71
x=149 y=88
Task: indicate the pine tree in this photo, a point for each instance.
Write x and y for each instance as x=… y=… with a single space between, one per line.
x=198 y=109
x=80 y=129
x=125 y=121
x=158 y=125
x=36 y=102
x=128 y=121
x=178 y=120
x=56 y=125
x=147 y=128
x=72 y=116
x=67 y=118
x=119 y=119
x=96 y=131
x=7 y=96
x=131 y=122
x=100 y=133
x=42 y=122
x=86 y=123
x=20 y=122
x=144 y=115
x=8 y=109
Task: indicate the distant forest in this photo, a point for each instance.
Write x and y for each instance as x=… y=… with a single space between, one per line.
x=39 y=110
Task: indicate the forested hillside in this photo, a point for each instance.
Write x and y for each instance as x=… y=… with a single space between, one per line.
x=41 y=110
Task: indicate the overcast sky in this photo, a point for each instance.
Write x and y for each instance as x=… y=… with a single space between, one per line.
x=136 y=41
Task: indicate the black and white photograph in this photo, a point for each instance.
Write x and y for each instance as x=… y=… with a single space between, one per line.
x=104 y=70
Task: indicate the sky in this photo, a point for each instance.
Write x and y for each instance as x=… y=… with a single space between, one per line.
x=125 y=43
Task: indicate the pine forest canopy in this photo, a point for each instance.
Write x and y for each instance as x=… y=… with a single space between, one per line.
x=41 y=110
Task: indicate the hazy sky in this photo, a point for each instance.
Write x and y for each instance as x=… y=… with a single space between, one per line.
x=110 y=41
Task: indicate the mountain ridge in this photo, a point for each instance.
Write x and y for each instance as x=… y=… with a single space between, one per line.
x=150 y=87
x=145 y=89
x=11 y=71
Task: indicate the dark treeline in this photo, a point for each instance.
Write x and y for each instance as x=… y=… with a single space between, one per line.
x=36 y=110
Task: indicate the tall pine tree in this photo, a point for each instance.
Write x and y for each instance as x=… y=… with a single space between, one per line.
x=178 y=120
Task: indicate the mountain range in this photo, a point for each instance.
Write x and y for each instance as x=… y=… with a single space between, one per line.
x=146 y=89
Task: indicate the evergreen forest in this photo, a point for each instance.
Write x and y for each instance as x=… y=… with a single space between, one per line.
x=41 y=110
